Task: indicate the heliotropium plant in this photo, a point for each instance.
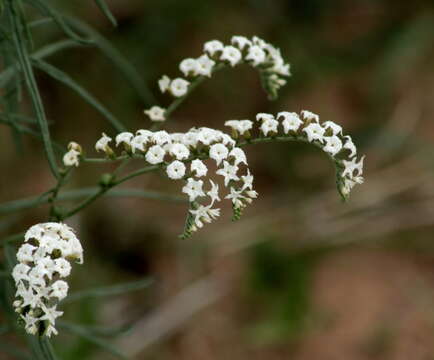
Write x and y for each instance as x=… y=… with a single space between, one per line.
x=210 y=165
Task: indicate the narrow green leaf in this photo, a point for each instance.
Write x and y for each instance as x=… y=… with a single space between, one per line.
x=7 y=74
x=87 y=335
x=88 y=97
x=59 y=20
x=127 y=69
x=32 y=87
x=106 y=11
x=111 y=290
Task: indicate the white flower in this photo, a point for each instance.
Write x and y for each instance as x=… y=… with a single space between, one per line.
x=179 y=87
x=229 y=172
x=240 y=41
x=314 y=131
x=264 y=117
x=124 y=138
x=71 y=158
x=161 y=137
x=349 y=145
x=190 y=138
x=218 y=152
x=193 y=189
x=36 y=276
x=139 y=142
x=199 y=168
x=353 y=165
x=62 y=266
x=259 y=42
x=336 y=129
x=59 y=289
x=256 y=55
x=180 y=151
x=156 y=113
x=206 y=136
x=213 y=46
x=46 y=266
x=155 y=155
x=231 y=54
x=309 y=115
x=333 y=145
x=20 y=272
x=239 y=155
x=25 y=253
x=189 y=67
x=240 y=126
x=247 y=181
x=214 y=192
x=164 y=83
x=176 y=170
x=102 y=143
x=204 y=214
x=269 y=125
x=236 y=197
x=35 y=232
x=205 y=65
x=291 y=121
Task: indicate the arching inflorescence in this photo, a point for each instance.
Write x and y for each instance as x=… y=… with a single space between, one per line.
x=202 y=156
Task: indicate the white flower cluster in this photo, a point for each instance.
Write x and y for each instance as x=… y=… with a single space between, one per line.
x=307 y=127
x=182 y=153
x=256 y=52
x=42 y=266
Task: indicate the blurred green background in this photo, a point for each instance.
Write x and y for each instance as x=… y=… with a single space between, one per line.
x=301 y=275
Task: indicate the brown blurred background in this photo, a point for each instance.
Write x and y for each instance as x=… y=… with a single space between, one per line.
x=301 y=276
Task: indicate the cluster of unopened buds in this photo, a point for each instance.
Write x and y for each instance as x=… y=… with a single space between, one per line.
x=43 y=265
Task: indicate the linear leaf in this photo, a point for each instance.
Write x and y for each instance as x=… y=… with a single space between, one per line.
x=87 y=335
x=111 y=290
x=7 y=74
x=106 y=11
x=127 y=69
x=32 y=87
x=88 y=97
x=59 y=20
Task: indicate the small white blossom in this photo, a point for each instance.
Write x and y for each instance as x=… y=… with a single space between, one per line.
x=199 y=168
x=309 y=115
x=213 y=193
x=139 y=142
x=164 y=83
x=213 y=46
x=353 y=165
x=336 y=129
x=247 y=181
x=229 y=172
x=176 y=170
x=291 y=121
x=349 y=145
x=25 y=253
x=179 y=87
x=189 y=67
x=155 y=155
x=240 y=41
x=332 y=145
x=71 y=158
x=236 y=197
x=102 y=144
x=231 y=54
x=180 y=151
x=62 y=266
x=205 y=65
x=218 y=152
x=256 y=55
x=239 y=155
x=124 y=138
x=156 y=113
x=269 y=125
x=59 y=289
x=264 y=117
x=193 y=189
x=240 y=126
x=314 y=131
x=161 y=137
